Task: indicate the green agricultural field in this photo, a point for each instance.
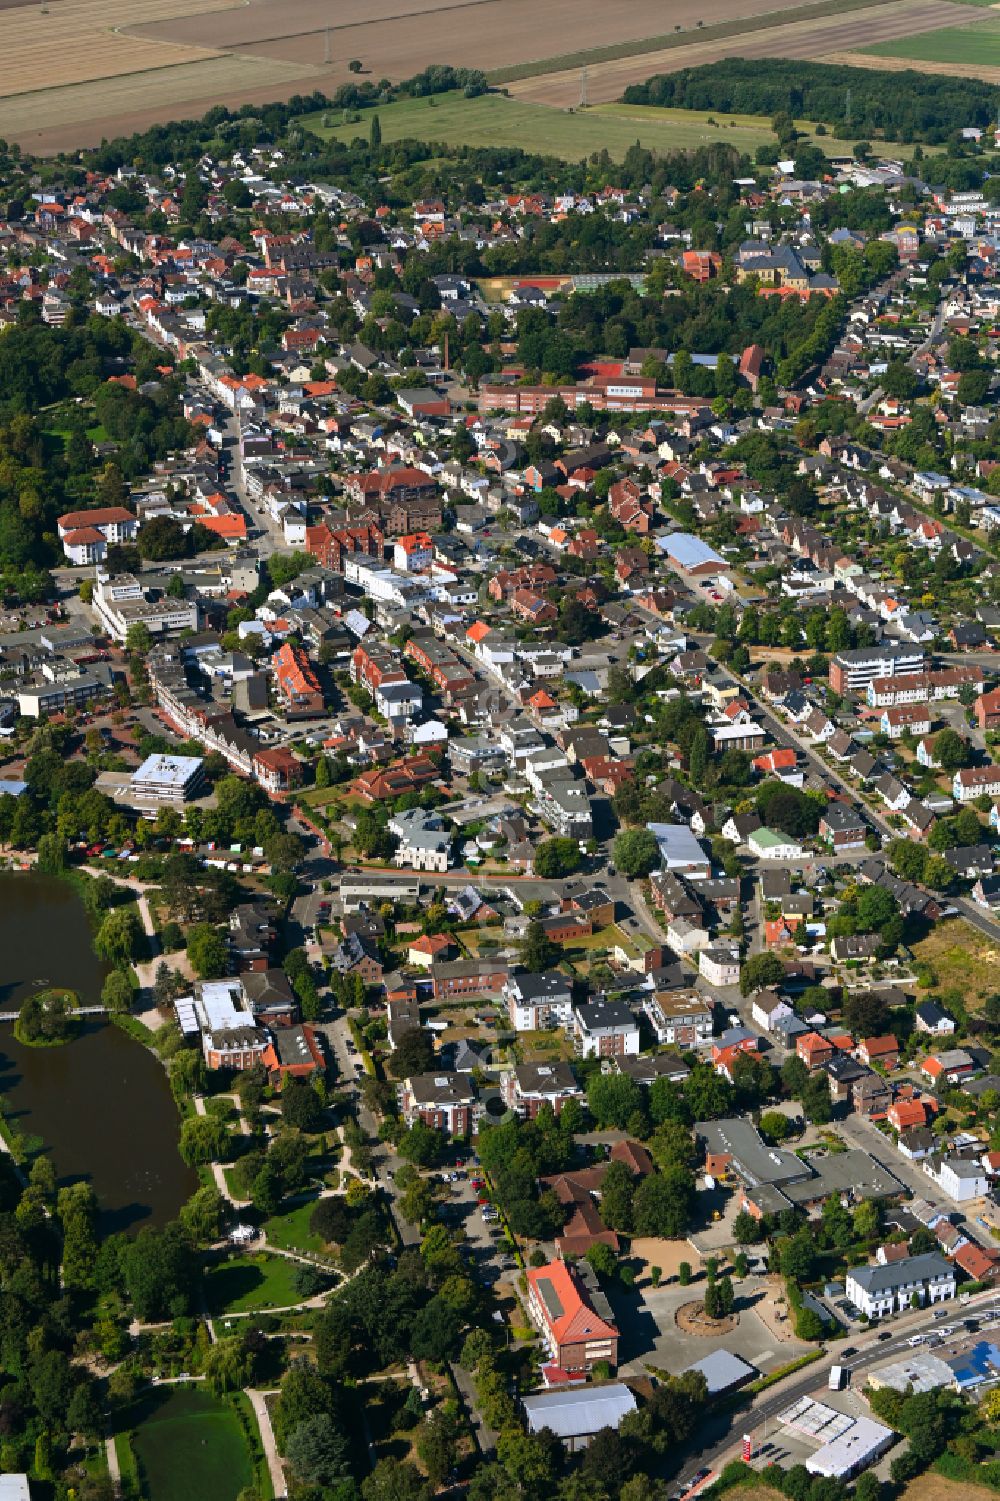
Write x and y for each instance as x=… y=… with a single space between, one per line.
x=187 y=1443
x=245 y=1283
x=494 y=120
x=978 y=43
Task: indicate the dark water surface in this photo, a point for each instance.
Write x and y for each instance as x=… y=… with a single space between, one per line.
x=101 y=1104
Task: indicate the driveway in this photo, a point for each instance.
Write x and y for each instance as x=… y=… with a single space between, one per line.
x=651 y=1337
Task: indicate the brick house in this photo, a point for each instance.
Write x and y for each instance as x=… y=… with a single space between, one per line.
x=529 y=1086
x=881 y=1050
x=469 y=977
x=277 y=769
x=292 y=1053
x=813 y=1049
x=575 y=1334
x=446 y=1102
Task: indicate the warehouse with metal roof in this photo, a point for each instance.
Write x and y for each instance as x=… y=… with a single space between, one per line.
x=576 y=1413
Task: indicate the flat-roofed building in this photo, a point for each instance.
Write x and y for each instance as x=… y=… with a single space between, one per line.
x=575 y=1414
x=167 y=779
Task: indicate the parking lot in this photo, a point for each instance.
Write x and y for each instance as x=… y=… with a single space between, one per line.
x=487 y=1252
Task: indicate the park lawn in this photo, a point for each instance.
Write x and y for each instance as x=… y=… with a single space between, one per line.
x=494 y=120
x=608 y=939
x=961 y=958
x=187 y=1443
x=978 y=43
x=318 y=797
x=245 y=1283
x=292 y=1230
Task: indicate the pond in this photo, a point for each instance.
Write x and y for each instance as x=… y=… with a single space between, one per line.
x=101 y=1104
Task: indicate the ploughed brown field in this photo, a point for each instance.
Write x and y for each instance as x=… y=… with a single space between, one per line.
x=84 y=69
x=817 y=39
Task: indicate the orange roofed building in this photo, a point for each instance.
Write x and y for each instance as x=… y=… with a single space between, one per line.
x=407 y=775
x=292 y=1053
x=297 y=683
x=575 y=1334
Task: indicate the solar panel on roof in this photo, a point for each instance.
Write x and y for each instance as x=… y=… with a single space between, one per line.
x=549 y=1296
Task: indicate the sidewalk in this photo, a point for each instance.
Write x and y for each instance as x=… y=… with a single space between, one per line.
x=277 y=1474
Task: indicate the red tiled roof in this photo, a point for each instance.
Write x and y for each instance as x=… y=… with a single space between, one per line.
x=569 y=1316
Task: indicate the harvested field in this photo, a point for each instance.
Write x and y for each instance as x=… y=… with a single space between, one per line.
x=934 y=1487
x=816 y=38
x=85 y=112
x=93 y=68
x=395 y=38
x=77 y=40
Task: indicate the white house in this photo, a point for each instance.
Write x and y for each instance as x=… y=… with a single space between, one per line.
x=424 y=843
x=719 y=965
x=767 y=844
x=86 y=535
x=959 y=1178
x=931 y=1018
x=605 y=1029
x=769 y=1008
x=539 y=1001
x=879 y=1291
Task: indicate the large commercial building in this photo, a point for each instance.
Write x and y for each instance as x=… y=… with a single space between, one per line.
x=167 y=779
x=576 y=1414
x=852 y=671
x=121 y=602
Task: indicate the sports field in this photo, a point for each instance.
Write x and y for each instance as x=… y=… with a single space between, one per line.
x=978 y=43
x=188 y=1443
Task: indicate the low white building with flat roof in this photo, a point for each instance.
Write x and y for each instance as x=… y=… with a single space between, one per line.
x=167 y=779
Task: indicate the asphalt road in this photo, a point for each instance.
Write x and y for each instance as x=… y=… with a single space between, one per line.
x=813 y=1380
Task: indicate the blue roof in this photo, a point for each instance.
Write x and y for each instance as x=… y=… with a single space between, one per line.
x=973 y=1367
x=9 y=786
x=689 y=551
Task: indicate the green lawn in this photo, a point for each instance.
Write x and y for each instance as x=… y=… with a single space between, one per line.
x=250 y=1282
x=978 y=43
x=749 y=130
x=493 y=120
x=188 y=1443
x=291 y=1229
